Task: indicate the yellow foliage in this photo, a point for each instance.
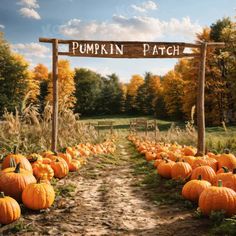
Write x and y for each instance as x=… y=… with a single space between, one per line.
x=66 y=85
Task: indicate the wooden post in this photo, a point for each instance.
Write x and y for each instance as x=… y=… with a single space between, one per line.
x=146 y=128
x=200 y=102
x=155 y=126
x=55 y=94
x=111 y=127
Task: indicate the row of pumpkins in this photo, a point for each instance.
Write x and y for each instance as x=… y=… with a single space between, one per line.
x=210 y=180
x=27 y=178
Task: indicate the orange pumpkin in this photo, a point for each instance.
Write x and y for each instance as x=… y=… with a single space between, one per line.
x=181 y=170
x=228 y=160
x=14 y=180
x=38 y=196
x=164 y=168
x=193 y=189
x=228 y=179
x=206 y=172
x=9 y=209
x=41 y=170
x=74 y=165
x=217 y=198
x=60 y=168
x=65 y=156
x=150 y=156
x=17 y=158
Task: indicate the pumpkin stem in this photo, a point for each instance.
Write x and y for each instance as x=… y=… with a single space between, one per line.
x=226 y=151
x=199 y=177
x=15 y=149
x=226 y=170
x=220 y=183
x=2 y=195
x=17 y=170
x=234 y=171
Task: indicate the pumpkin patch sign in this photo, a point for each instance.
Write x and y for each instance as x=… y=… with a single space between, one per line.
x=128 y=49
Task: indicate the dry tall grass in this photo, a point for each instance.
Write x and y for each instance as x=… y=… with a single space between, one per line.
x=31 y=131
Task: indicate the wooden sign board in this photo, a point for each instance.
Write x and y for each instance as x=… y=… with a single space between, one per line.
x=112 y=49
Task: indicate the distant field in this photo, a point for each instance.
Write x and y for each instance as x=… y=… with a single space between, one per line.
x=216 y=137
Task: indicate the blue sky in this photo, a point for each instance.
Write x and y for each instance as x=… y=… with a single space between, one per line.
x=24 y=21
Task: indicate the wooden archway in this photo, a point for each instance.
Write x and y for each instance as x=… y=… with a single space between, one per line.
x=128 y=49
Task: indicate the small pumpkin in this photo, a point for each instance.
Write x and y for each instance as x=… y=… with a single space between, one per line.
x=216 y=198
x=14 y=180
x=181 y=170
x=228 y=179
x=193 y=188
x=60 y=168
x=150 y=156
x=157 y=162
x=205 y=161
x=206 y=172
x=74 y=165
x=9 y=209
x=228 y=160
x=37 y=196
x=43 y=170
x=32 y=158
x=65 y=156
x=164 y=168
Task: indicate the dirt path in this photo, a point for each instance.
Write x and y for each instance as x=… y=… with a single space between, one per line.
x=108 y=201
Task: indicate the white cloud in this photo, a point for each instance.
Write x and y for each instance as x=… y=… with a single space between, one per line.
x=29 y=13
x=30 y=50
x=2 y=26
x=145 y=6
x=29 y=3
x=133 y=28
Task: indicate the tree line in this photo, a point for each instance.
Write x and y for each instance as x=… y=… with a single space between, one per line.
x=170 y=96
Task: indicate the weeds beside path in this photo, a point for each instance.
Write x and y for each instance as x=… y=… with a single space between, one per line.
x=112 y=195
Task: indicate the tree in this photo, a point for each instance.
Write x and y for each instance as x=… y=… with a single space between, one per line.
x=173 y=92
x=132 y=89
x=13 y=73
x=111 y=95
x=66 y=85
x=88 y=86
x=40 y=75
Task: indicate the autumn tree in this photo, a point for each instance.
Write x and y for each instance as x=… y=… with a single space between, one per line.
x=132 y=89
x=13 y=73
x=40 y=74
x=66 y=85
x=173 y=92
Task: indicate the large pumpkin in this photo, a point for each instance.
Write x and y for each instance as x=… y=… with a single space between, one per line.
x=9 y=209
x=193 y=188
x=14 y=180
x=206 y=172
x=38 y=196
x=217 y=198
x=181 y=170
x=16 y=158
x=164 y=168
x=60 y=167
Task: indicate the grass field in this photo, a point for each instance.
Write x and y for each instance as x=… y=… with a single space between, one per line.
x=217 y=138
